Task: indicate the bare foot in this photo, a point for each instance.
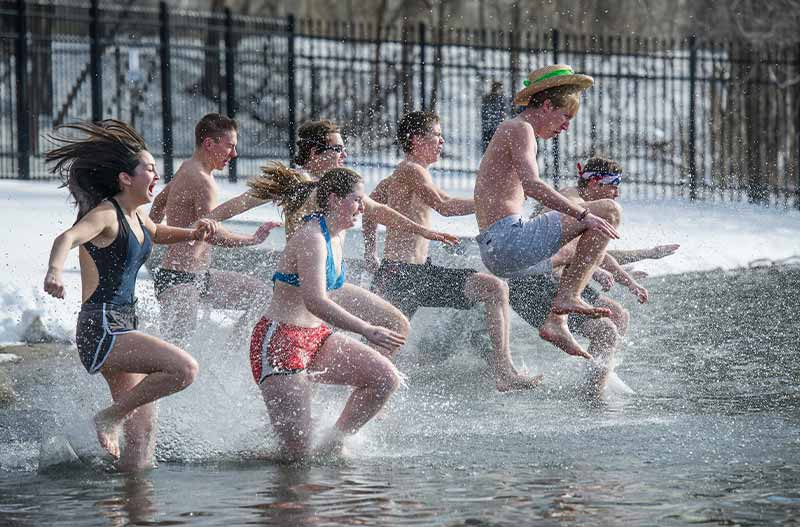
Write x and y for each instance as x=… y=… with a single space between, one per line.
x=108 y=432
x=515 y=381
x=576 y=305
x=595 y=379
x=332 y=446
x=555 y=331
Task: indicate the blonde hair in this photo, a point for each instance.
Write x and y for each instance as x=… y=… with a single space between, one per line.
x=567 y=97
x=287 y=187
x=291 y=189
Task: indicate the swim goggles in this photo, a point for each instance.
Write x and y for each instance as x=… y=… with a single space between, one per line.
x=605 y=178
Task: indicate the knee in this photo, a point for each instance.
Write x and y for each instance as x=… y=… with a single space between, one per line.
x=187 y=372
x=402 y=325
x=609 y=209
x=606 y=333
x=386 y=380
x=621 y=320
x=494 y=290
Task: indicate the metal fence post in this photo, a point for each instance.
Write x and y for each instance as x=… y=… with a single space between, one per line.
x=96 y=61
x=691 y=147
x=166 y=91
x=797 y=137
x=230 y=81
x=23 y=102
x=556 y=149
x=422 y=52
x=291 y=131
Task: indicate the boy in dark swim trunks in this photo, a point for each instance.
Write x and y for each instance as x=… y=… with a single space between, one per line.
x=406 y=277
x=185 y=279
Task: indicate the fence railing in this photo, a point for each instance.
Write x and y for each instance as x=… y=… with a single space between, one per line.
x=691 y=118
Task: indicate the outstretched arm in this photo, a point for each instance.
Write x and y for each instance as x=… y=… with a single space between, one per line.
x=164 y=234
x=385 y=215
x=369 y=227
x=434 y=197
x=234 y=207
x=611 y=265
x=226 y=238
x=88 y=228
x=655 y=253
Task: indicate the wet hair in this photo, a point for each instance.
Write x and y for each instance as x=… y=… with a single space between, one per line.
x=213 y=125
x=567 y=96
x=599 y=164
x=412 y=124
x=290 y=189
x=311 y=136
x=337 y=181
x=89 y=166
x=287 y=187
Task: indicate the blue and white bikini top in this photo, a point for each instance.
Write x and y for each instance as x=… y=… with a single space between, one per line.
x=331 y=280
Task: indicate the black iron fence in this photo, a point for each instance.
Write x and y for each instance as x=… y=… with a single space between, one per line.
x=690 y=118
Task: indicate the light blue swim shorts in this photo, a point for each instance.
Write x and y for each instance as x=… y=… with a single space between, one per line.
x=515 y=247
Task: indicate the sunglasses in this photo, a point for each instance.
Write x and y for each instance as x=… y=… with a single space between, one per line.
x=339 y=149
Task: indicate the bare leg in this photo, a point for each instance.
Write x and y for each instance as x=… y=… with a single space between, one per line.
x=344 y=361
x=139 y=427
x=371 y=308
x=555 y=330
x=588 y=253
x=619 y=315
x=231 y=290
x=179 y=313
x=603 y=338
x=590 y=249
x=493 y=293
x=288 y=400
x=168 y=370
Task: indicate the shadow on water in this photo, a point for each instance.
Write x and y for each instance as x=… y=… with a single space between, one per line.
x=711 y=435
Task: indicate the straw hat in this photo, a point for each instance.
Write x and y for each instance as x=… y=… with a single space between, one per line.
x=550 y=77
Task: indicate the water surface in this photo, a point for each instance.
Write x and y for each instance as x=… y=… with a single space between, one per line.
x=710 y=437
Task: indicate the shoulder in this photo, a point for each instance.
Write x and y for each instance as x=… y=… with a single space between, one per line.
x=307 y=236
x=515 y=131
x=411 y=173
x=104 y=213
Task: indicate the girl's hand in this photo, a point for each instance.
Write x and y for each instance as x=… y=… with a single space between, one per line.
x=53 y=284
x=204 y=229
x=443 y=237
x=263 y=231
x=384 y=338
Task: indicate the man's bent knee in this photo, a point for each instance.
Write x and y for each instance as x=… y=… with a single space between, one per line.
x=603 y=331
x=187 y=372
x=490 y=289
x=607 y=209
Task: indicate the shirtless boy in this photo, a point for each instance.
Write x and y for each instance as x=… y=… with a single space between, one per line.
x=512 y=246
x=406 y=277
x=184 y=278
x=532 y=295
